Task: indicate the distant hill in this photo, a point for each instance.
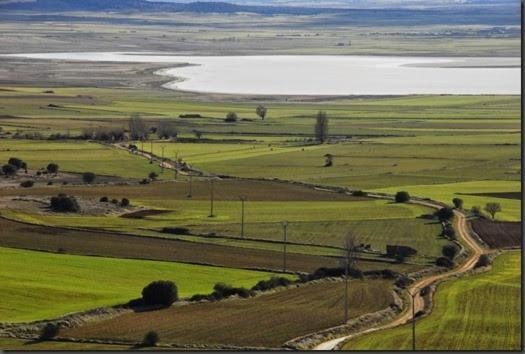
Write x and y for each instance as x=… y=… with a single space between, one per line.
x=151 y=6
x=465 y=12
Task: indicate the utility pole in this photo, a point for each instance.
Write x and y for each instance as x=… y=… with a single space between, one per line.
x=211 y=198
x=285 y=227
x=162 y=161
x=151 y=151
x=243 y=199
x=346 y=287
x=417 y=291
x=175 y=166
x=191 y=177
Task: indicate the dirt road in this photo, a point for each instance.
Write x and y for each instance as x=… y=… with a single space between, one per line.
x=415 y=288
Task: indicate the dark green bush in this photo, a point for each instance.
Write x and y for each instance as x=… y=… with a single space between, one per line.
x=273 y=282
x=88 y=177
x=64 y=204
x=444 y=262
x=450 y=251
x=104 y=199
x=483 y=261
x=359 y=194
x=160 y=292
x=27 y=184
x=402 y=197
x=445 y=214
x=150 y=339
x=124 y=202
x=49 y=331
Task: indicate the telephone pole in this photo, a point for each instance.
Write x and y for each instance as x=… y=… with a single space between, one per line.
x=346 y=288
x=243 y=199
x=151 y=151
x=285 y=228
x=189 y=194
x=211 y=198
x=162 y=161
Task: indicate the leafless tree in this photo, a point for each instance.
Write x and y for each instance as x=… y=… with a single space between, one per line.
x=349 y=260
x=166 y=129
x=321 y=127
x=137 y=128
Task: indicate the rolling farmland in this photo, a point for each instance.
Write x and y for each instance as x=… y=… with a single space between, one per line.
x=88 y=282
x=478 y=312
x=265 y=321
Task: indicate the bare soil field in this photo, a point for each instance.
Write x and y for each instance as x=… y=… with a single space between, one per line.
x=498 y=234
x=265 y=321
x=506 y=195
x=96 y=243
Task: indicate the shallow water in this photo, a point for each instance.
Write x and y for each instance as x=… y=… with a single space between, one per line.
x=324 y=74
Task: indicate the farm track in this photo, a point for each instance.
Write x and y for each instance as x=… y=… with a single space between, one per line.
x=414 y=289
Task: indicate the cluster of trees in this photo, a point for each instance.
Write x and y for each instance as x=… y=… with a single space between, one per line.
x=12 y=166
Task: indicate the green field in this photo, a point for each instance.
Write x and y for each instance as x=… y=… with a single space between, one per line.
x=479 y=312
x=311 y=222
x=511 y=208
x=76 y=156
x=39 y=285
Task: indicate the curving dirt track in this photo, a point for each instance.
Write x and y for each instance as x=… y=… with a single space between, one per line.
x=419 y=302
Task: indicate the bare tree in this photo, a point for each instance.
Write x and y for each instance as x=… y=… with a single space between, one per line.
x=349 y=261
x=321 y=127
x=261 y=111
x=492 y=209
x=166 y=129
x=137 y=128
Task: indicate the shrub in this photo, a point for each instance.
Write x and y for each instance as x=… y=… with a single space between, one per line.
x=483 y=261
x=231 y=117
x=124 y=202
x=444 y=262
x=49 y=331
x=104 y=199
x=50 y=183
x=175 y=230
x=65 y=204
x=400 y=251
x=88 y=177
x=114 y=201
x=9 y=170
x=449 y=232
x=221 y=291
x=144 y=181
x=190 y=115
x=273 y=282
x=153 y=176
x=450 y=251
x=359 y=194
x=52 y=168
x=160 y=292
x=402 y=197
x=16 y=162
x=150 y=339
x=403 y=282
x=27 y=184
x=445 y=214
x=458 y=203
x=476 y=210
